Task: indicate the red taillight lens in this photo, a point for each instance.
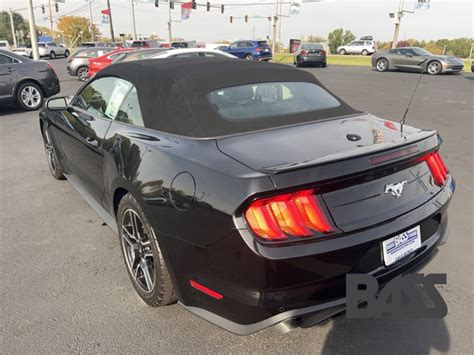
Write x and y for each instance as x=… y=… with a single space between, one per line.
x=303 y=52
x=323 y=52
x=298 y=214
x=259 y=49
x=437 y=167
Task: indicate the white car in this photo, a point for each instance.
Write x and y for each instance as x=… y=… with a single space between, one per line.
x=357 y=47
x=45 y=49
x=5 y=45
x=193 y=52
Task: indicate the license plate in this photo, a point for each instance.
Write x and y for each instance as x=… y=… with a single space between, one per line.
x=401 y=245
x=266 y=50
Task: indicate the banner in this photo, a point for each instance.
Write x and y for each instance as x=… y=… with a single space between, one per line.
x=186 y=10
x=295 y=6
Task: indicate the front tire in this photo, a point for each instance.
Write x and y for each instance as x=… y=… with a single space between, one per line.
x=382 y=64
x=29 y=96
x=145 y=263
x=54 y=165
x=342 y=52
x=52 y=55
x=82 y=73
x=365 y=52
x=434 y=67
x=66 y=53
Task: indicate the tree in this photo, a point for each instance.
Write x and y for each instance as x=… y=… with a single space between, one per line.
x=21 y=25
x=72 y=26
x=338 y=38
x=313 y=39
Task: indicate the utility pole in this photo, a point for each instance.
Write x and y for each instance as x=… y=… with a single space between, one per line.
x=134 y=26
x=33 y=37
x=90 y=20
x=170 y=33
x=398 y=19
x=50 y=17
x=110 y=21
x=13 y=28
x=275 y=19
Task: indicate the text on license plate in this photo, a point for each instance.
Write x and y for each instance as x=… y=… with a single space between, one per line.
x=401 y=245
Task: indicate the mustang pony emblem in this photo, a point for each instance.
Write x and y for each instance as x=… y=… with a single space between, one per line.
x=395 y=189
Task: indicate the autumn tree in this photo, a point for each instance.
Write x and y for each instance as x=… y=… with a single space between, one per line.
x=72 y=26
x=338 y=38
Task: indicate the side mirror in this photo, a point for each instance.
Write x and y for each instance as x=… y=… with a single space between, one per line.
x=56 y=103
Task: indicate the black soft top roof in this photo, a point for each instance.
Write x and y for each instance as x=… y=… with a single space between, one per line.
x=173 y=93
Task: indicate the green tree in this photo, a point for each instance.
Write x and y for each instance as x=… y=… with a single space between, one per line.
x=5 y=26
x=314 y=39
x=338 y=38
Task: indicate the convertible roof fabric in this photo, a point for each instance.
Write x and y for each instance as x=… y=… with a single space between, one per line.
x=173 y=93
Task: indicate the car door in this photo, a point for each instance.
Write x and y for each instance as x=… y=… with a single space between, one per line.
x=357 y=47
x=87 y=121
x=234 y=49
x=8 y=75
x=408 y=59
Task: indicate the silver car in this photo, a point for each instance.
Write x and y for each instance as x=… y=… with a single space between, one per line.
x=78 y=63
x=357 y=47
x=45 y=49
x=416 y=59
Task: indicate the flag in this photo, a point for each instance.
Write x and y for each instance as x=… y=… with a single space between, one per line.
x=105 y=12
x=423 y=4
x=295 y=6
x=186 y=10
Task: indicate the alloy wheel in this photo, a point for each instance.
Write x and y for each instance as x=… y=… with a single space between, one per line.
x=30 y=96
x=382 y=65
x=434 y=68
x=136 y=244
x=82 y=73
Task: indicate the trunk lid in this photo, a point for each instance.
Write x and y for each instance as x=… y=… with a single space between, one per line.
x=338 y=156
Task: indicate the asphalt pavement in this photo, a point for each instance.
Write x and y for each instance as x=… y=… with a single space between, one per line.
x=64 y=287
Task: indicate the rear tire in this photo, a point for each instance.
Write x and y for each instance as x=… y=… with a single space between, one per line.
x=29 y=96
x=52 y=55
x=342 y=52
x=82 y=73
x=365 y=52
x=249 y=56
x=54 y=165
x=145 y=263
x=66 y=53
x=382 y=64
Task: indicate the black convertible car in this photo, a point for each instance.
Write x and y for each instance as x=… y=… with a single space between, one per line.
x=246 y=190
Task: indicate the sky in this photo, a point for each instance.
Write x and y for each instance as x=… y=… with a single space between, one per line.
x=445 y=18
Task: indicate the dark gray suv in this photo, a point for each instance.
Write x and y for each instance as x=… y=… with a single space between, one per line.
x=26 y=82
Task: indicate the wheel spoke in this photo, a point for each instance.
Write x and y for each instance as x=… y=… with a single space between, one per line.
x=146 y=274
x=130 y=239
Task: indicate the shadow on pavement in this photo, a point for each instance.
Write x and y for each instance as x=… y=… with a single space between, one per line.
x=386 y=336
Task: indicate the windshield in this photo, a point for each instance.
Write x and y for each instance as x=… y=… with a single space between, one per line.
x=139 y=44
x=272 y=99
x=421 y=51
x=311 y=46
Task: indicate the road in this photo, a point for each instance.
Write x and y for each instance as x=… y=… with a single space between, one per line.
x=63 y=283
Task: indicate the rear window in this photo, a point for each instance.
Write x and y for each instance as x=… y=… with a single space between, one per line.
x=138 y=44
x=262 y=44
x=311 y=46
x=264 y=100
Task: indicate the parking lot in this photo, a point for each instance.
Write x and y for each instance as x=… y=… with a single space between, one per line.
x=64 y=287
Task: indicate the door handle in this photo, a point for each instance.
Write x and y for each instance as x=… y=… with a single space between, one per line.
x=11 y=70
x=92 y=142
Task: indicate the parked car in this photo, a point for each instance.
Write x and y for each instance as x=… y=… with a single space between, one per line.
x=78 y=63
x=92 y=44
x=245 y=191
x=184 y=44
x=45 y=49
x=357 y=47
x=310 y=53
x=5 y=45
x=145 y=44
x=472 y=66
x=98 y=63
x=193 y=53
x=26 y=82
x=129 y=56
x=416 y=59
x=250 y=50
x=118 y=44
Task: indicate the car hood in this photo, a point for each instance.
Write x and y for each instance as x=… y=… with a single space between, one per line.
x=447 y=58
x=295 y=147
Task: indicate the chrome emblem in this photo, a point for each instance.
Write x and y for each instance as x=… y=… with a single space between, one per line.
x=395 y=189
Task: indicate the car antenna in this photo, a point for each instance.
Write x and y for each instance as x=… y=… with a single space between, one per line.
x=402 y=121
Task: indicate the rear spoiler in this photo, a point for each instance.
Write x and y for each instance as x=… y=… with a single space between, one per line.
x=349 y=154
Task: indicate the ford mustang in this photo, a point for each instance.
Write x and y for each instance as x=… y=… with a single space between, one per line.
x=247 y=191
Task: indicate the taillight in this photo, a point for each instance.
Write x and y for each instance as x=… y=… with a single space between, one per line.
x=437 y=167
x=259 y=49
x=50 y=67
x=296 y=214
x=303 y=52
x=323 y=52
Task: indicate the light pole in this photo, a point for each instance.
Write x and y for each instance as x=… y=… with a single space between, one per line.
x=134 y=26
x=90 y=20
x=13 y=28
x=398 y=19
x=33 y=37
x=170 y=35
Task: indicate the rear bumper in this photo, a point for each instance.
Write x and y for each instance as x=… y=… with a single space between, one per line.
x=308 y=60
x=301 y=284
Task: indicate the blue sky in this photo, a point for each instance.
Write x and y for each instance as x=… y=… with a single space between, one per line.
x=445 y=18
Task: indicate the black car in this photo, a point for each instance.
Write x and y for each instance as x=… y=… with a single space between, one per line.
x=245 y=190
x=26 y=82
x=310 y=54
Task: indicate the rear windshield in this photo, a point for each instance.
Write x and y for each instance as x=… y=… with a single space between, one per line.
x=310 y=46
x=138 y=44
x=262 y=44
x=271 y=99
